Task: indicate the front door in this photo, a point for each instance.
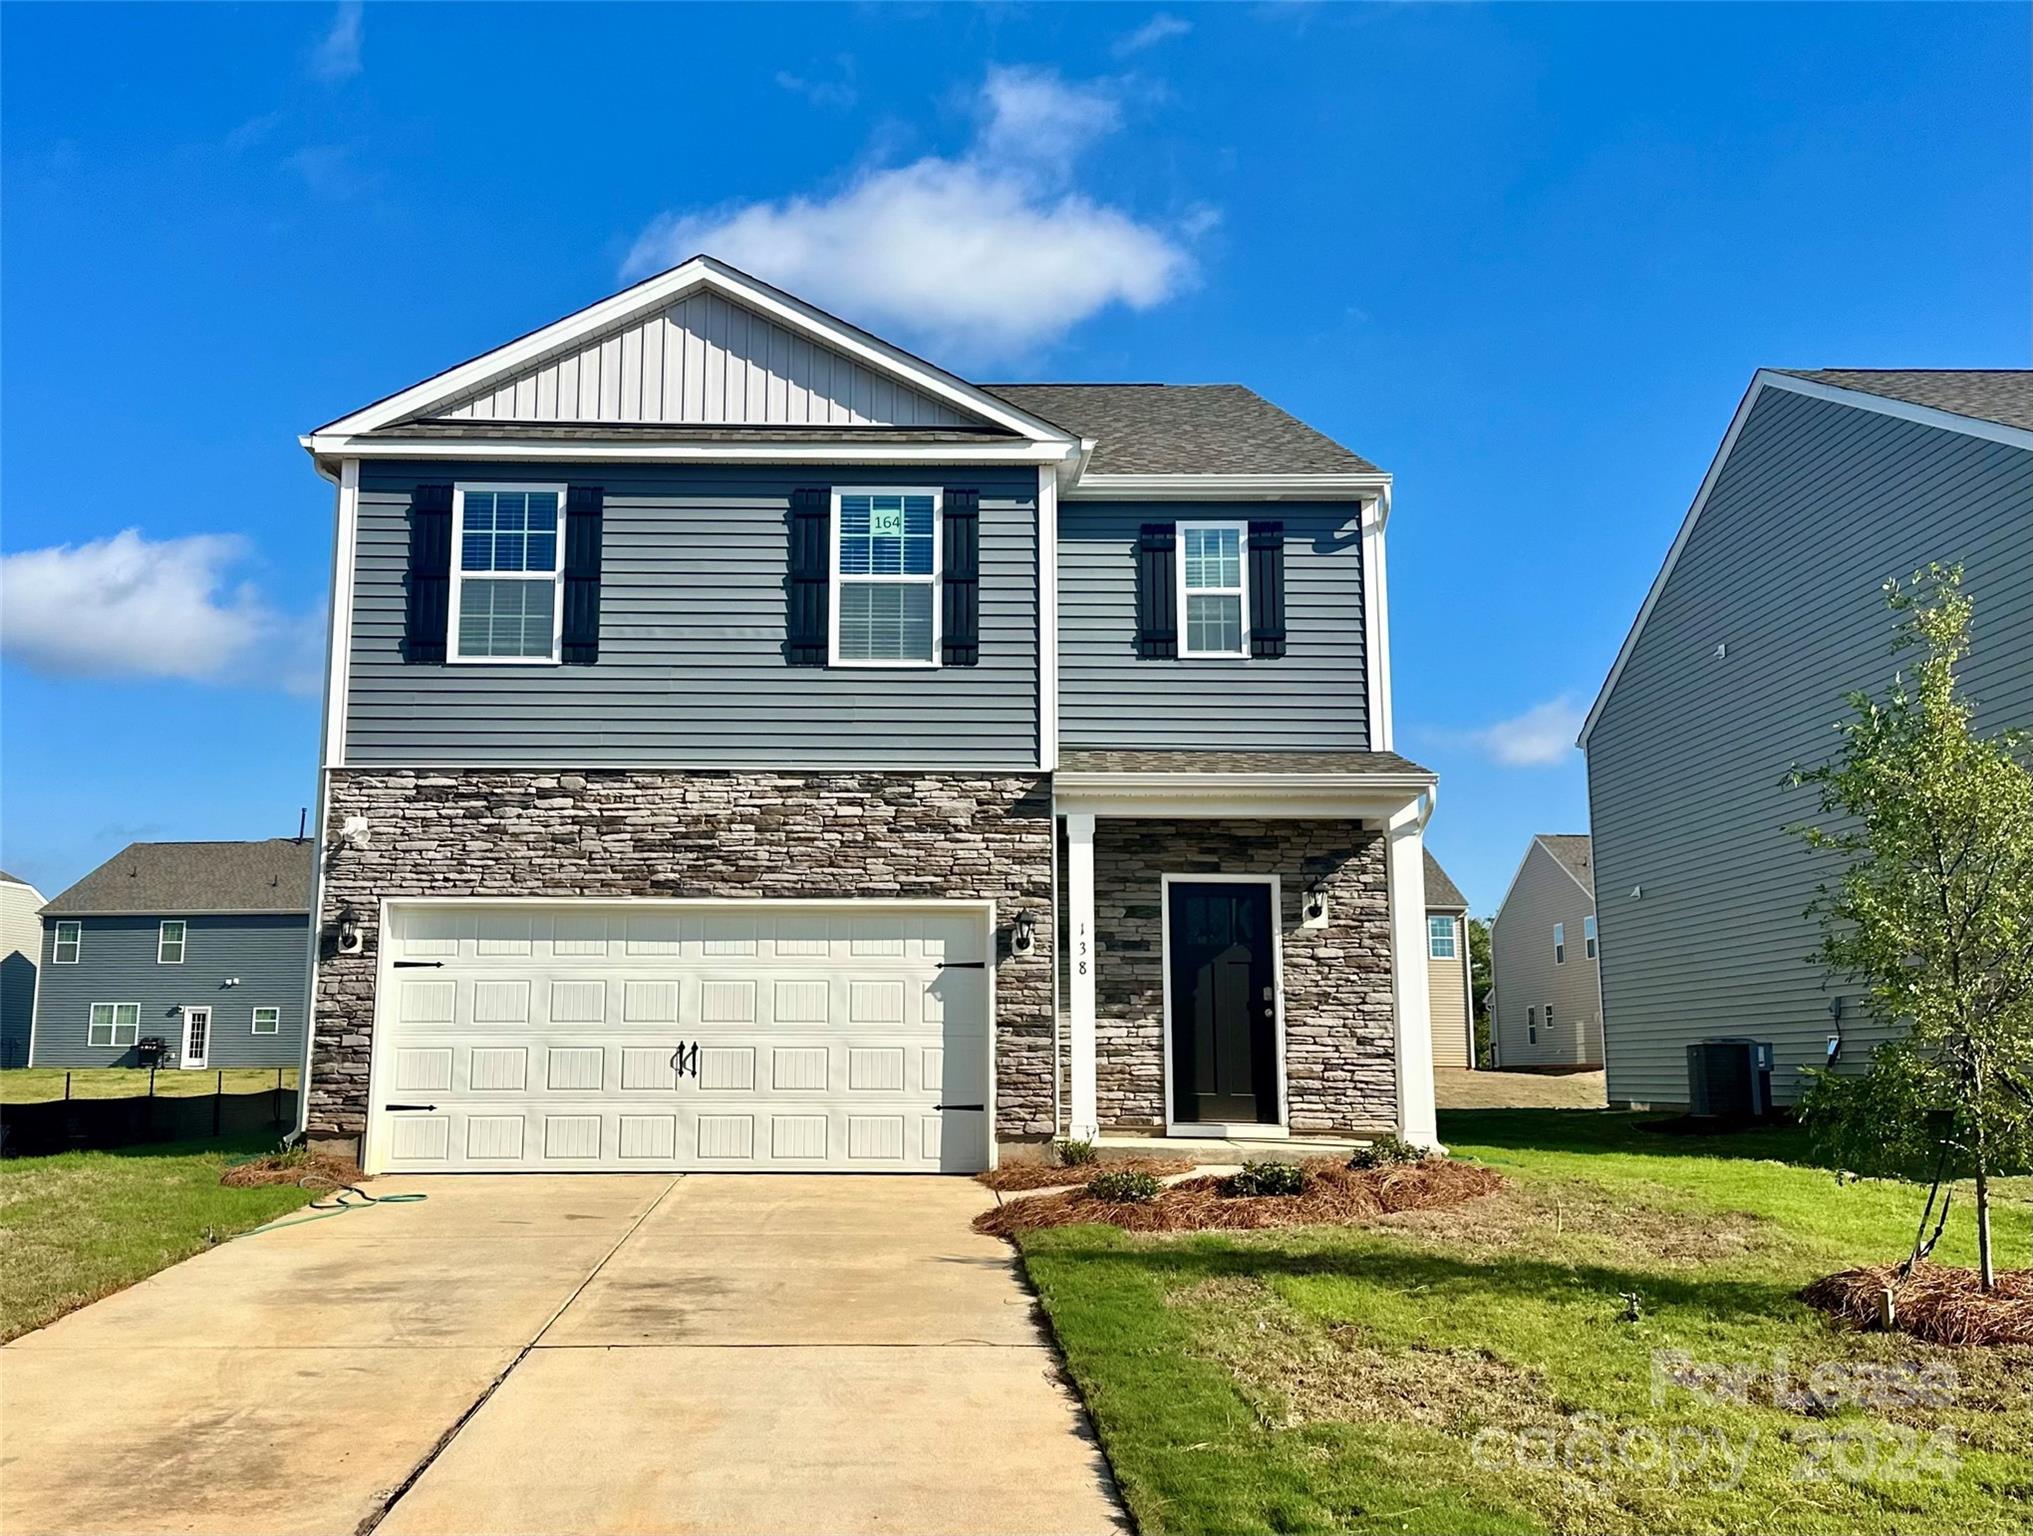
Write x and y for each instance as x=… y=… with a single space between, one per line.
x=1224 y=1003
x=197 y=1036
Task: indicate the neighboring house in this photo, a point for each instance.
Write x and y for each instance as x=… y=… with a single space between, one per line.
x=1448 y=987
x=205 y=946
x=1546 y=998
x=20 y=943
x=1768 y=610
x=735 y=723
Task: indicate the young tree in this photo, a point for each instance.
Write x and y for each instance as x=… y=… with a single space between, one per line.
x=1933 y=914
x=1480 y=979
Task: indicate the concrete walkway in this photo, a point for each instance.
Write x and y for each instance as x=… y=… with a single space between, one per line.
x=597 y=1353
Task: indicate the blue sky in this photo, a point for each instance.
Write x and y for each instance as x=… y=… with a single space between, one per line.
x=1526 y=258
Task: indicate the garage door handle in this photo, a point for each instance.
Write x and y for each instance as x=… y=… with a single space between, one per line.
x=982 y=1107
x=399 y=1108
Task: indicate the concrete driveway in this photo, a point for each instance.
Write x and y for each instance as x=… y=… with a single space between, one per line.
x=594 y=1353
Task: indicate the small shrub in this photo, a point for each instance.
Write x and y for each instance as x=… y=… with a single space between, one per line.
x=1268 y=1176
x=1075 y=1154
x=1386 y=1151
x=1130 y=1188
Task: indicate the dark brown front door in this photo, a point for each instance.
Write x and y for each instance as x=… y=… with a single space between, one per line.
x=1224 y=1003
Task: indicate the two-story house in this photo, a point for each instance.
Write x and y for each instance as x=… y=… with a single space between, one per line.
x=750 y=745
x=1546 y=989
x=203 y=946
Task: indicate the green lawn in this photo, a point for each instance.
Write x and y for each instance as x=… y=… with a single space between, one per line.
x=81 y=1225
x=1480 y=1370
x=35 y=1085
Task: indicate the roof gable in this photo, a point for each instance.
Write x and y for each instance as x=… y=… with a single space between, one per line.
x=172 y=879
x=744 y=353
x=1441 y=892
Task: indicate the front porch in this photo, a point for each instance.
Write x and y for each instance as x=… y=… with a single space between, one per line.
x=1244 y=949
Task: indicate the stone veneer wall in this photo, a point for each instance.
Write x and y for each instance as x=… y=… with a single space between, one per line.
x=1340 y=1031
x=487 y=832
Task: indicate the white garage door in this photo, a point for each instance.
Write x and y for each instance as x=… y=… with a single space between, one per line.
x=556 y=1038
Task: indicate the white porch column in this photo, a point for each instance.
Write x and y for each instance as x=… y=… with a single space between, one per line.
x=1407 y=878
x=1082 y=1119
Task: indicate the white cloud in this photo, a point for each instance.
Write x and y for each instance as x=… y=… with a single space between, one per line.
x=1539 y=738
x=337 y=56
x=130 y=606
x=839 y=93
x=1160 y=28
x=986 y=254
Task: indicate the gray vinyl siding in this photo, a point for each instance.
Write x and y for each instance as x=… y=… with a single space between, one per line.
x=693 y=610
x=1312 y=698
x=1816 y=506
x=116 y=964
x=1528 y=977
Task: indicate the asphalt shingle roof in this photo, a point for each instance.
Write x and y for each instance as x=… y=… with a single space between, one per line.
x=2003 y=395
x=146 y=878
x=1574 y=852
x=1127 y=761
x=1442 y=892
x=1183 y=429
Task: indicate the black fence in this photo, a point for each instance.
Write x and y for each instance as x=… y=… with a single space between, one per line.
x=73 y=1125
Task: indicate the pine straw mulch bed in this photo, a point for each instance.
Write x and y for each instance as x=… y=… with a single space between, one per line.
x=307 y=1170
x=1022 y=1176
x=1939 y=1303
x=1334 y=1194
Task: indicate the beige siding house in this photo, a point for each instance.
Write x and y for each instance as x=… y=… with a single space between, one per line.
x=20 y=947
x=1447 y=981
x=1548 y=994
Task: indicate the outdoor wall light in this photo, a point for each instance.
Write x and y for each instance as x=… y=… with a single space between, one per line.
x=349 y=941
x=1313 y=909
x=1023 y=935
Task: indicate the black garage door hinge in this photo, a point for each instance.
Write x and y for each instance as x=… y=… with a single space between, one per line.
x=418 y=965
x=399 y=1108
x=963 y=965
x=982 y=1107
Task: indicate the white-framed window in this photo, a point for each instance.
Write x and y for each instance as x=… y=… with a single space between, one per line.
x=267 y=1021
x=70 y=939
x=1548 y=1011
x=508 y=574
x=1532 y=1025
x=169 y=942
x=1588 y=937
x=1213 y=595
x=886 y=569
x=114 y=1024
x=1440 y=938
x=1559 y=943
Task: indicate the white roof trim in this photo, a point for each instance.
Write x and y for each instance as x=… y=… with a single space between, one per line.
x=614 y=450
x=656 y=292
x=1351 y=486
x=1366 y=796
x=1765 y=379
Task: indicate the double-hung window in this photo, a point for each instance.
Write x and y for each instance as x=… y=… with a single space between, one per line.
x=508 y=571
x=1588 y=937
x=1213 y=597
x=886 y=578
x=1440 y=938
x=267 y=1021
x=1559 y=943
x=114 y=1024
x=70 y=938
x=169 y=943
x=1532 y=1026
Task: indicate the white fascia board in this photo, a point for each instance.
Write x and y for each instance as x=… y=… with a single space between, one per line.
x=661 y=290
x=324 y=445
x=1283 y=796
x=1338 y=487
x=1765 y=379
x=1376 y=623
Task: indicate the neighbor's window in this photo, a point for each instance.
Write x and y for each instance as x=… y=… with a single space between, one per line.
x=169 y=943
x=505 y=590
x=1549 y=1015
x=1588 y=937
x=69 y=938
x=114 y=1024
x=1440 y=937
x=267 y=1020
x=886 y=564
x=1532 y=1025
x=1559 y=943
x=1213 y=602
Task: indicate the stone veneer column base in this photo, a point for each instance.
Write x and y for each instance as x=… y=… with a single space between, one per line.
x=692 y=834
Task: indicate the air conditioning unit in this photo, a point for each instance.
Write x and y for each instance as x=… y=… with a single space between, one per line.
x=1730 y=1078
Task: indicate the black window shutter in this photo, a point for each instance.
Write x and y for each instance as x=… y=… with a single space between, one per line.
x=585 y=511
x=811 y=568
x=1157 y=599
x=1267 y=589
x=428 y=608
x=960 y=580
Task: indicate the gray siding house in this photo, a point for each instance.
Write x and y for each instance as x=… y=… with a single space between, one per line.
x=20 y=945
x=750 y=745
x=1546 y=991
x=205 y=946
x=1768 y=609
